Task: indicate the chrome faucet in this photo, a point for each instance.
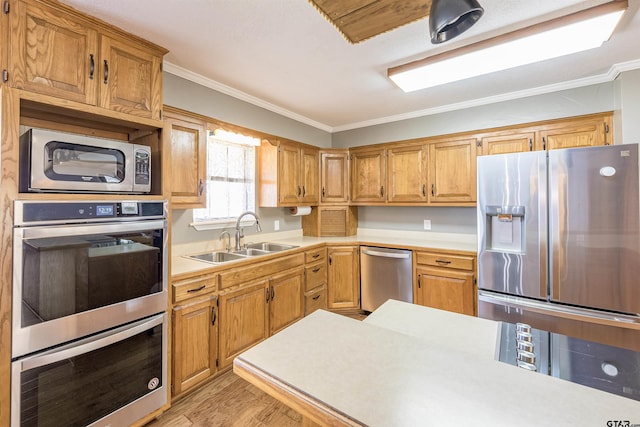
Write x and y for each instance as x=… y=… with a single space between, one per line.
x=226 y=233
x=239 y=234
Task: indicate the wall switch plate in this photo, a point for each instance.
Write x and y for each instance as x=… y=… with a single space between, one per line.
x=427 y=224
x=276 y=225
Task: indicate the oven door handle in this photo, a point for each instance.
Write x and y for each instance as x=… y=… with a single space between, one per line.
x=89 y=344
x=79 y=230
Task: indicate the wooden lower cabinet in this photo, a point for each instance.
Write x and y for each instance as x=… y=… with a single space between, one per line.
x=343 y=278
x=195 y=342
x=243 y=320
x=446 y=282
x=286 y=304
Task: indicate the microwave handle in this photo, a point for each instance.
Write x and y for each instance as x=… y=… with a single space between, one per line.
x=90 y=344
x=79 y=230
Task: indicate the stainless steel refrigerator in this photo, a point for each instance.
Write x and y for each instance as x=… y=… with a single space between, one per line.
x=559 y=241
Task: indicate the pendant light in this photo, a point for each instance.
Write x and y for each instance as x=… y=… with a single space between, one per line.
x=450 y=18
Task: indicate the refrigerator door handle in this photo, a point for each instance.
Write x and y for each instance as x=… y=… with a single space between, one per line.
x=567 y=311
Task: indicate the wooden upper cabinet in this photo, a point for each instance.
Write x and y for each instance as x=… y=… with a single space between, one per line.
x=406 y=173
x=310 y=175
x=452 y=171
x=52 y=53
x=289 y=174
x=131 y=79
x=368 y=175
x=516 y=142
x=58 y=51
x=186 y=137
x=334 y=178
x=580 y=132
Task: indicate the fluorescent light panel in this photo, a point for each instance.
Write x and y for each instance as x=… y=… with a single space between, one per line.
x=574 y=33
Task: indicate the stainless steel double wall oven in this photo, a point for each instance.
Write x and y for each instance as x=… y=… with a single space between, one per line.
x=89 y=327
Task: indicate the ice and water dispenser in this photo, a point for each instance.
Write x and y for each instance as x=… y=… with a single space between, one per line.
x=505 y=228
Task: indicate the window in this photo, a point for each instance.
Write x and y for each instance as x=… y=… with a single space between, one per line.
x=231 y=190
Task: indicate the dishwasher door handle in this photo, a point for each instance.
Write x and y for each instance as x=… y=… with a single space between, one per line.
x=386 y=254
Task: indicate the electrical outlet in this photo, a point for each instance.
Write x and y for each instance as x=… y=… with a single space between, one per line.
x=276 y=225
x=427 y=224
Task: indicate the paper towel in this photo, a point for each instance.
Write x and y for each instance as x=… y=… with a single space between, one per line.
x=300 y=210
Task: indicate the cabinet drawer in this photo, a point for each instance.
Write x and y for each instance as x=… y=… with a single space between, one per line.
x=315 y=300
x=315 y=275
x=189 y=288
x=460 y=262
x=315 y=255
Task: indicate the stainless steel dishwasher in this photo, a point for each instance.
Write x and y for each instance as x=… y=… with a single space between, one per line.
x=385 y=273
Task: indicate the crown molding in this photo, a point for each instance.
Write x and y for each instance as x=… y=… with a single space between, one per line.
x=610 y=75
x=242 y=96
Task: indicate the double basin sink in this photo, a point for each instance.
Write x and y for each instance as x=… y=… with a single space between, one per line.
x=250 y=250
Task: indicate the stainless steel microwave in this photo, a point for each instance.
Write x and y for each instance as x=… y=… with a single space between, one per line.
x=53 y=161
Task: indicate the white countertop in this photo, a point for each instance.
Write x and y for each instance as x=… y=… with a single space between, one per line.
x=394 y=238
x=381 y=377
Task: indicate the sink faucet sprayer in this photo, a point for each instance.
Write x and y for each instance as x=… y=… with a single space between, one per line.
x=239 y=234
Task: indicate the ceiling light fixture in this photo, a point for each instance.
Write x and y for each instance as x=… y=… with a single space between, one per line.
x=450 y=18
x=569 y=34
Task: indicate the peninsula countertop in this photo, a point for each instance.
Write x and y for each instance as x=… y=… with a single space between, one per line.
x=340 y=371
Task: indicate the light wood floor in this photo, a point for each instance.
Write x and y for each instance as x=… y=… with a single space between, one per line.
x=230 y=401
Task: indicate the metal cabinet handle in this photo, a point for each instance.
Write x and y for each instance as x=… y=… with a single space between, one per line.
x=433 y=190
x=92 y=66
x=268 y=295
x=315 y=256
x=322 y=191
x=382 y=191
x=316 y=297
x=315 y=270
x=201 y=187
x=530 y=144
x=299 y=191
x=304 y=191
x=443 y=261
x=330 y=259
x=196 y=289
x=544 y=143
x=106 y=71
x=273 y=293
x=419 y=277
x=214 y=316
x=424 y=190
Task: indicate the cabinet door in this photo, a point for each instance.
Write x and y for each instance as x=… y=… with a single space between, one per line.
x=187 y=167
x=334 y=177
x=407 y=174
x=286 y=304
x=343 y=281
x=310 y=175
x=289 y=184
x=452 y=171
x=130 y=79
x=368 y=176
x=195 y=343
x=243 y=320
x=511 y=143
x=445 y=289
x=52 y=53
x=576 y=133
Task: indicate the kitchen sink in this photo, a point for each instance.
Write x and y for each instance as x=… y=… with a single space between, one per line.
x=251 y=250
x=270 y=247
x=218 y=257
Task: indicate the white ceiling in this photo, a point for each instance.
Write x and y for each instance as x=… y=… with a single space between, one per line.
x=284 y=56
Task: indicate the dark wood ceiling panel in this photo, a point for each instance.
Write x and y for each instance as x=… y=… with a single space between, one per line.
x=359 y=20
